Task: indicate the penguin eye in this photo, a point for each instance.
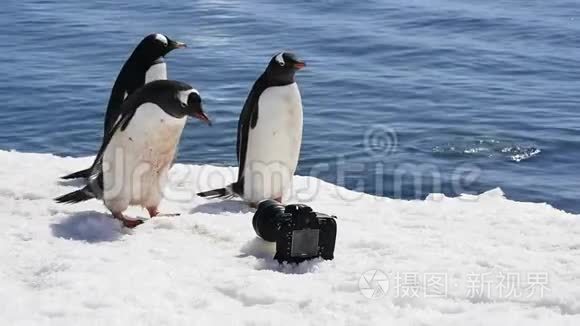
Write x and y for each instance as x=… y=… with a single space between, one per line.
x=280 y=59
x=161 y=38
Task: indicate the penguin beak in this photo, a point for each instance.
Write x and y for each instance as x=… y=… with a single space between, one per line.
x=300 y=64
x=178 y=45
x=203 y=117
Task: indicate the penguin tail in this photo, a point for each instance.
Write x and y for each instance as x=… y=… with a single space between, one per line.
x=76 y=196
x=215 y=193
x=79 y=174
x=219 y=192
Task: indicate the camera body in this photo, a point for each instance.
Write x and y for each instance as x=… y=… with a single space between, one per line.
x=299 y=232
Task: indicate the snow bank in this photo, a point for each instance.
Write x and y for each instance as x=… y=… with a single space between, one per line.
x=473 y=260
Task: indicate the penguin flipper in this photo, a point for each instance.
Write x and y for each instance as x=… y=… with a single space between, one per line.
x=248 y=120
x=129 y=107
x=76 y=196
x=118 y=96
x=79 y=174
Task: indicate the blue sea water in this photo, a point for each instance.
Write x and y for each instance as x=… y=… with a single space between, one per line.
x=401 y=98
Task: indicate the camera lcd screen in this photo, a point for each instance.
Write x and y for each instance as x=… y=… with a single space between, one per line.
x=305 y=243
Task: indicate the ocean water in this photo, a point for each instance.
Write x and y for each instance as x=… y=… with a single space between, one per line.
x=401 y=98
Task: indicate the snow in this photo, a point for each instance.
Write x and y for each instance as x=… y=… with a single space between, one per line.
x=73 y=265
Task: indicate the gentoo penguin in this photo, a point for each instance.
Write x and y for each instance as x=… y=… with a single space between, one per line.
x=145 y=65
x=132 y=164
x=269 y=134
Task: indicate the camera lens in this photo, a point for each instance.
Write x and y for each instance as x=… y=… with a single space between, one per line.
x=266 y=217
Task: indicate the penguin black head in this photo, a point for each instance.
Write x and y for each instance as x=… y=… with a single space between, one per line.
x=176 y=98
x=283 y=67
x=191 y=105
x=154 y=46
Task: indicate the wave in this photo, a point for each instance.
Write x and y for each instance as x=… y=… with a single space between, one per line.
x=491 y=148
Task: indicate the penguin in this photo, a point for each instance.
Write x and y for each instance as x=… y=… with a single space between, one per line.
x=269 y=134
x=145 y=65
x=132 y=164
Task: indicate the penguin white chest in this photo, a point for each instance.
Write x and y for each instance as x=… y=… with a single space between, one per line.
x=273 y=144
x=156 y=72
x=138 y=158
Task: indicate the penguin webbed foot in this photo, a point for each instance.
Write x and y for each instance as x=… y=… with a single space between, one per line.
x=128 y=223
x=153 y=212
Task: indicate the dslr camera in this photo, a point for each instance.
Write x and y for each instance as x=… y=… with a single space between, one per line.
x=299 y=232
